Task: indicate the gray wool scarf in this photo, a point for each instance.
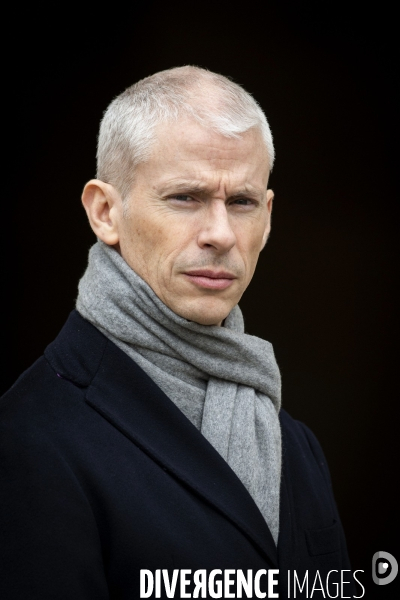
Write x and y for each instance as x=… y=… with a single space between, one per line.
x=226 y=382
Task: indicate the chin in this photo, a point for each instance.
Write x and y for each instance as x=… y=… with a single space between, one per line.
x=205 y=314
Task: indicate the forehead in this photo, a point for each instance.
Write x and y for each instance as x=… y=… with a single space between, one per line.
x=187 y=149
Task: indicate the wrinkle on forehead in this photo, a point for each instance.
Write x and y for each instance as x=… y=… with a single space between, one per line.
x=196 y=137
x=219 y=185
x=192 y=158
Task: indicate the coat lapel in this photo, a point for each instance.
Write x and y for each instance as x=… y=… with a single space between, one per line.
x=128 y=398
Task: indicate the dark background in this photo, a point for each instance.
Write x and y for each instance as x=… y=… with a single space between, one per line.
x=325 y=75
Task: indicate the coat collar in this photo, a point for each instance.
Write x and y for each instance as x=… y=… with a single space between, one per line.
x=119 y=390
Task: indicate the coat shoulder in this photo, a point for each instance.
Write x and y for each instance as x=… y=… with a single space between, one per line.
x=299 y=441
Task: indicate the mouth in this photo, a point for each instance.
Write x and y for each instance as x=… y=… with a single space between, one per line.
x=212 y=280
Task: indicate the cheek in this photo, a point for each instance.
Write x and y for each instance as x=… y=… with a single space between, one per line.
x=143 y=236
x=253 y=245
x=136 y=246
x=155 y=248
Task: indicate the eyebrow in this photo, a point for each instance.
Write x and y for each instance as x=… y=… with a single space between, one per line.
x=200 y=188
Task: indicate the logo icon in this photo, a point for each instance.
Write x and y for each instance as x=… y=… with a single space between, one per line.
x=384 y=568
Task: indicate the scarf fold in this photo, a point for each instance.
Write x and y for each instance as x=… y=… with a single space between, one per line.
x=225 y=381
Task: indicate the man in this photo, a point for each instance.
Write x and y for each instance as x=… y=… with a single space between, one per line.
x=149 y=438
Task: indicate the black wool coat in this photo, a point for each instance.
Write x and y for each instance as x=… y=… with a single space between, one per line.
x=102 y=475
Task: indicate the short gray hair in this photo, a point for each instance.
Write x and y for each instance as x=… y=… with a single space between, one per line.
x=127 y=130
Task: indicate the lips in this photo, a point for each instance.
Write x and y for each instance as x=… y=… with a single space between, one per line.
x=214 y=280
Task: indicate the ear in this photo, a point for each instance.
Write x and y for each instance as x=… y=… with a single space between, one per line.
x=103 y=207
x=269 y=199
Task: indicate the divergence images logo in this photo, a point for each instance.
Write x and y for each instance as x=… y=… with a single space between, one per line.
x=384 y=568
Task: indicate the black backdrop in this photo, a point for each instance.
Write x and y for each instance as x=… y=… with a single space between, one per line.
x=325 y=75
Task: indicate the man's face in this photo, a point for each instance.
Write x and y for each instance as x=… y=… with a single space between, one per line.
x=197 y=218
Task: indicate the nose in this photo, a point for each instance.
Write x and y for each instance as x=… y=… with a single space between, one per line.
x=216 y=231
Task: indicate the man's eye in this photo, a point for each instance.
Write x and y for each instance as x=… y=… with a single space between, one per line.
x=243 y=201
x=181 y=197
